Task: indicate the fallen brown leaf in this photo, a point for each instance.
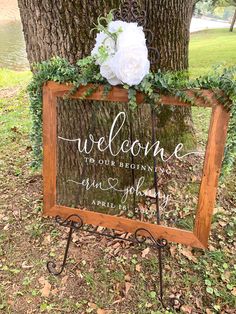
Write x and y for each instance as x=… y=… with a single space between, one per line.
x=145 y=252
x=234 y=292
x=54 y=292
x=186 y=309
x=101 y=311
x=25 y=266
x=148 y=305
x=138 y=268
x=127 y=278
x=64 y=280
x=45 y=292
x=41 y=280
x=92 y=306
x=127 y=287
x=173 y=249
x=118 y=301
x=223 y=223
x=187 y=252
x=199 y=303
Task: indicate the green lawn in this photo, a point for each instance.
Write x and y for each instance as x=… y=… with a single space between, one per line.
x=9 y=78
x=211 y=47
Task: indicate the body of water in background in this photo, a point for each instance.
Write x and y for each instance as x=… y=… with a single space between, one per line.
x=12 y=46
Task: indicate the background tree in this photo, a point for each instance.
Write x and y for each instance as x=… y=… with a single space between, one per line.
x=62 y=28
x=233 y=22
x=226 y=3
x=208 y=6
x=204 y=7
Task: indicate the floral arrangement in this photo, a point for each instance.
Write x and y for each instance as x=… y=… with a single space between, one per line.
x=121 y=52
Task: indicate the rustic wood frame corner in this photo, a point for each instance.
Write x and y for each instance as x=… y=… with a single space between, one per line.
x=211 y=171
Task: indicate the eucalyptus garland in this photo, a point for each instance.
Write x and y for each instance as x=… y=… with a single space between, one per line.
x=153 y=85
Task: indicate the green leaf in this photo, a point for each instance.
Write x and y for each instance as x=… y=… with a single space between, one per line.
x=209 y=290
x=229 y=287
x=153 y=294
x=207 y=282
x=43 y=307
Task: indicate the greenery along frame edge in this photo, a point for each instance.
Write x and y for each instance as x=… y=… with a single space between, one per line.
x=212 y=164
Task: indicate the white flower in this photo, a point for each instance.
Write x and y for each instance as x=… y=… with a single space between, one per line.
x=114 y=26
x=132 y=35
x=125 y=61
x=99 y=42
x=103 y=40
x=131 y=64
x=107 y=72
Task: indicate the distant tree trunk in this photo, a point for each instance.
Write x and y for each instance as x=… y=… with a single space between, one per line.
x=62 y=28
x=233 y=22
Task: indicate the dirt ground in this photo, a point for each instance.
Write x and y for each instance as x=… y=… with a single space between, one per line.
x=102 y=276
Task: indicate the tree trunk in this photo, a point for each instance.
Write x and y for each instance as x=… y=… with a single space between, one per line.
x=53 y=27
x=62 y=28
x=170 y=22
x=233 y=22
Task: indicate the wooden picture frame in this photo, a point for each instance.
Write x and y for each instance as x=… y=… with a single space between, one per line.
x=211 y=170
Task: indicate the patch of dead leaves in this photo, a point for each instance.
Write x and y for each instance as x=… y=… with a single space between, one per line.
x=187 y=252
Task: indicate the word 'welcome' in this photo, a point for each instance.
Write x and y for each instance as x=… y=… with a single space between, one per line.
x=126 y=147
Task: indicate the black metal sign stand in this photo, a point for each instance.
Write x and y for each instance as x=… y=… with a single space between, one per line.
x=135 y=238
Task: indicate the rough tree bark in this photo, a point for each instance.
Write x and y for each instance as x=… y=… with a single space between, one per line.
x=62 y=28
x=57 y=27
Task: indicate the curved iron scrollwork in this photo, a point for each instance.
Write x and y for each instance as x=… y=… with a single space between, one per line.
x=141 y=238
x=73 y=225
x=74 y=221
x=131 y=11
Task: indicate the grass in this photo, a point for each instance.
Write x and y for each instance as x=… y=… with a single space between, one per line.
x=10 y=78
x=211 y=47
x=98 y=277
x=14 y=118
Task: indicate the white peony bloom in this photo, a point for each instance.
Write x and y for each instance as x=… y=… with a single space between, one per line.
x=125 y=61
x=131 y=65
x=104 y=40
x=114 y=26
x=132 y=35
x=99 y=42
x=107 y=72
